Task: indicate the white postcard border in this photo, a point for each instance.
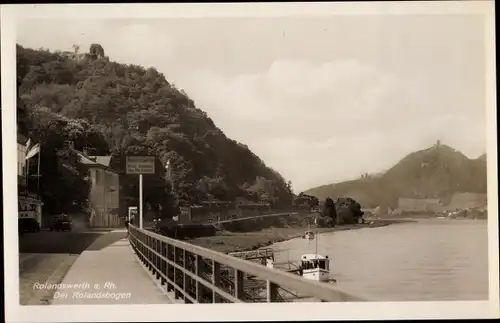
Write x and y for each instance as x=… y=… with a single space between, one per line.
x=10 y=14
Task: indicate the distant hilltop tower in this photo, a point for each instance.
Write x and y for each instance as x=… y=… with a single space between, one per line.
x=96 y=51
x=438 y=143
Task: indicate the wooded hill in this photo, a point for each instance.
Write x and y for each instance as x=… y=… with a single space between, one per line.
x=124 y=110
x=436 y=172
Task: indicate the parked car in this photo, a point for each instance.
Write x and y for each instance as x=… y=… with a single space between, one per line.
x=61 y=223
x=28 y=225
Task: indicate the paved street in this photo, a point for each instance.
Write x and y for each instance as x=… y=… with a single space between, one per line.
x=45 y=257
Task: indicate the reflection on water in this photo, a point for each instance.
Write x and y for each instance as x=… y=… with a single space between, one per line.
x=429 y=260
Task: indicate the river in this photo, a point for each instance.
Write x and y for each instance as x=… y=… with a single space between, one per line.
x=427 y=260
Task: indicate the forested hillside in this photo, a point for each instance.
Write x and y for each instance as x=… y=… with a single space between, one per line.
x=124 y=110
x=437 y=172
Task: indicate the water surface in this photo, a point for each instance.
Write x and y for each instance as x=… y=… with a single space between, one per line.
x=428 y=260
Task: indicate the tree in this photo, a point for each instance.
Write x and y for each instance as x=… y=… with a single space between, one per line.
x=23 y=122
x=64 y=185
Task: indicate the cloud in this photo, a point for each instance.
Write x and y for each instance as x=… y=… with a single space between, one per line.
x=308 y=121
x=143 y=43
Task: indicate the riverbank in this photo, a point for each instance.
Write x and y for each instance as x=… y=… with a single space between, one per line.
x=241 y=241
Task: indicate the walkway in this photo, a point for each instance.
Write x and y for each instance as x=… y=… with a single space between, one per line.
x=112 y=275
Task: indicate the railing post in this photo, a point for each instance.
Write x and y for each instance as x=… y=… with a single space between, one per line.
x=185 y=284
x=168 y=270
x=159 y=265
x=141 y=246
x=199 y=270
x=176 y=280
x=145 y=252
x=215 y=281
x=153 y=256
x=144 y=249
x=163 y=246
x=272 y=292
x=148 y=252
x=157 y=258
x=238 y=283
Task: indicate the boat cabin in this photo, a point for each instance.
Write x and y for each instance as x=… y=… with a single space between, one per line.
x=315 y=267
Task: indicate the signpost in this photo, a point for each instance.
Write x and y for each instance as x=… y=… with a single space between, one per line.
x=140 y=165
x=132 y=212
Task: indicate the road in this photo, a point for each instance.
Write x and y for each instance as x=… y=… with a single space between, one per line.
x=45 y=257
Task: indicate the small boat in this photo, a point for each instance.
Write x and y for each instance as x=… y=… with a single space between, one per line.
x=315 y=267
x=309 y=235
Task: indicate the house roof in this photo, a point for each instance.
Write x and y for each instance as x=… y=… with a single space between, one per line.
x=103 y=160
x=85 y=159
x=99 y=161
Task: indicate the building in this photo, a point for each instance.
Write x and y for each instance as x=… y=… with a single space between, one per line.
x=468 y=200
x=74 y=56
x=305 y=201
x=29 y=203
x=104 y=196
x=21 y=160
x=420 y=205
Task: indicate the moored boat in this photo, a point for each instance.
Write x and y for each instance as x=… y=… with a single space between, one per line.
x=309 y=235
x=315 y=267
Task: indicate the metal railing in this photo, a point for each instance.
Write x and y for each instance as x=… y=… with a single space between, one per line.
x=199 y=275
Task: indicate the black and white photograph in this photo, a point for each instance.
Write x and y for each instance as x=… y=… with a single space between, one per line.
x=338 y=155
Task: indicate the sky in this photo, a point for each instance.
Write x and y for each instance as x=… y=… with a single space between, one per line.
x=319 y=99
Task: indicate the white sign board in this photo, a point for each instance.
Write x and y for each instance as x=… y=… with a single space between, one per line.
x=132 y=212
x=140 y=164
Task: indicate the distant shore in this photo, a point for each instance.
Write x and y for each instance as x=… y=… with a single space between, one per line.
x=231 y=241
x=431 y=216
